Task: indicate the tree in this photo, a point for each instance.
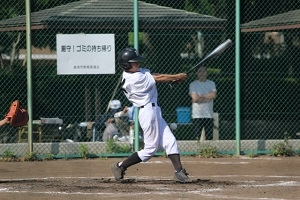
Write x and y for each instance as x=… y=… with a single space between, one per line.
x=11 y=41
x=200 y=6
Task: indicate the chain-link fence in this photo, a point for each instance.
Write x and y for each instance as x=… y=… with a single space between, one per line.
x=70 y=106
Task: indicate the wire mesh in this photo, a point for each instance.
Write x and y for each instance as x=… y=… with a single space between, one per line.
x=69 y=111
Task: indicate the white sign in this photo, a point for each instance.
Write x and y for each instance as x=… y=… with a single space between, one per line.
x=85 y=53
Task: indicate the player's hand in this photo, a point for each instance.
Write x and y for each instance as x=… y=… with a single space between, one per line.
x=180 y=77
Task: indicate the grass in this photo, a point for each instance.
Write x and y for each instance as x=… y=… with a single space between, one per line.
x=208 y=151
x=252 y=155
x=8 y=155
x=112 y=147
x=283 y=148
x=84 y=151
x=31 y=157
x=49 y=156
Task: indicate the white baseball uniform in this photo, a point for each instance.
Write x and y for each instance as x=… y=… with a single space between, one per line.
x=140 y=89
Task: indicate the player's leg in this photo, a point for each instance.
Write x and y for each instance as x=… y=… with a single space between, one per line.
x=119 y=168
x=169 y=143
x=149 y=125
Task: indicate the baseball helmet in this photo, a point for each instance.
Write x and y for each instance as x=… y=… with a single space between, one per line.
x=128 y=55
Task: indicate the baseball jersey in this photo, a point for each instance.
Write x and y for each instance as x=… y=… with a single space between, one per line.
x=205 y=109
x=139 y=87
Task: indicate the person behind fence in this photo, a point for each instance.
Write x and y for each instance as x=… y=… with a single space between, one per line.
x=139 y=86
x=16 y=116
x=202 y=92
x=4 y=121
x=125 y=122
x=124 y=119
x=105 y=124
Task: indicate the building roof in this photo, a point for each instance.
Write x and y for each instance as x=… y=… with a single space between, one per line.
x=288 y=20
x=112 y=14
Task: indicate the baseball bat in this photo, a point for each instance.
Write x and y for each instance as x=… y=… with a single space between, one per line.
x=217 y=51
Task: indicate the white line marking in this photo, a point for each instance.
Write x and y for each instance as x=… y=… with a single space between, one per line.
x=257 y=176
x=279 y=183
x=213 y=196
x=260 y=158
x=116 y=193
x=159 y=178
x=204 y=193
x=199 y=162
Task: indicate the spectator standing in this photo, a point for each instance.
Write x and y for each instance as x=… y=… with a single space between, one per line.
x=203 y=92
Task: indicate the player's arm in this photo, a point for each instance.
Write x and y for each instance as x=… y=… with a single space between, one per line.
x=169 y=77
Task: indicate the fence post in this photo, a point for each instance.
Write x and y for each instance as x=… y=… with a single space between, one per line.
x=237 y=78
x=29 y=75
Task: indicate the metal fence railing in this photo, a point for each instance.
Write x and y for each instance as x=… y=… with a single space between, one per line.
x=173 y=36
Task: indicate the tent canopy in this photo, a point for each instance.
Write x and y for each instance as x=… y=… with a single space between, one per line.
x=112 y=14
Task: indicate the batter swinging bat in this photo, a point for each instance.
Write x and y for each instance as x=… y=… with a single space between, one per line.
x=217 y=51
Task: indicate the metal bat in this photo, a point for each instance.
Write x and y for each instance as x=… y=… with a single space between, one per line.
x=217 y=51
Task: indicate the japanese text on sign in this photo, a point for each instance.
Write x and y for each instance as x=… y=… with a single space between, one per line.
x=86 y=48
x=85 y=53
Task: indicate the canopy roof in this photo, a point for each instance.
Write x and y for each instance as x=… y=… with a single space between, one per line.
x=112 y=14
x=288 y=20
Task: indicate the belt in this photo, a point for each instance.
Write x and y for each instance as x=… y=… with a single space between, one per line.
x=153 y=105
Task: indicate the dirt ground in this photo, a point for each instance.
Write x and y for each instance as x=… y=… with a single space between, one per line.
x=240 y=178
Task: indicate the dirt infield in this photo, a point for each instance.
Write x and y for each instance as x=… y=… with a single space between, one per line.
x=240 y=178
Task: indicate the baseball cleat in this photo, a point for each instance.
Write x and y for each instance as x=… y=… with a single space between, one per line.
x=118 y=172
x=182 y=177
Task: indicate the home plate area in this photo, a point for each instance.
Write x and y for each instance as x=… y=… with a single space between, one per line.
x=265 y=178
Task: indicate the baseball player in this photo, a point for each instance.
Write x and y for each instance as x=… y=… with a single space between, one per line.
x=139 y=86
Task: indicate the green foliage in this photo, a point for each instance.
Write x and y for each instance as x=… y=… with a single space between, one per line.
x=252 y=155
x=49 y=156
x=8 y=153
x=200 y=6
x=30 y=157
x=283 y=148
x=84 y=151
x=208 y=151
x=112 y=147
x=10 y=10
